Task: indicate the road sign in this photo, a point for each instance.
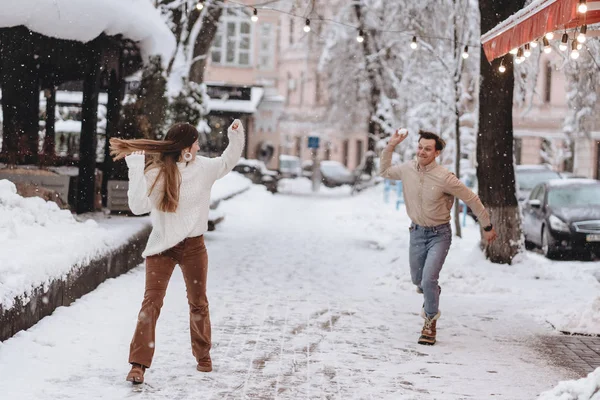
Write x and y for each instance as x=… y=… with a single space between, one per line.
x=313 y=142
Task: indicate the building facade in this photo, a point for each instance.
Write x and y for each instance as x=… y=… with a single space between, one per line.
x=539 y=126
x=277 y=61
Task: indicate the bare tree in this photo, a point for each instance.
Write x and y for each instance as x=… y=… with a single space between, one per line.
x=194 y=31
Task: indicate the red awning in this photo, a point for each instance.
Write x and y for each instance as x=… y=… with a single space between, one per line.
x=534 y=21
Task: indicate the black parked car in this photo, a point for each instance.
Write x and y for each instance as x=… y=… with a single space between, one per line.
x=563 y=216
x=258 y=173
x=528 y=176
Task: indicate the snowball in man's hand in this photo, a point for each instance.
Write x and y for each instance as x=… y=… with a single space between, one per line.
x=403 y=131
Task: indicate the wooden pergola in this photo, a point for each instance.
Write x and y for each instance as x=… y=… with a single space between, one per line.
x=31 y=62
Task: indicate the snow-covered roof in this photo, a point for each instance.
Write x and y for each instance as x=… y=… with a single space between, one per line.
x=84 y=20
x=241 y=106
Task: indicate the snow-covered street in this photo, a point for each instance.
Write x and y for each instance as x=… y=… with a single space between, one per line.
x=311 y=298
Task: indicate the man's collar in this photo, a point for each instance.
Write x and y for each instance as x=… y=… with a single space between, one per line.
x=427 y=168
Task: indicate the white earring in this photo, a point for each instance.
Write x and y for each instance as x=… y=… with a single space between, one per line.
x=187 y=156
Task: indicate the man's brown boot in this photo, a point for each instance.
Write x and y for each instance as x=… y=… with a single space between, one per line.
x=429 y=330
x=136 y=375
x=204 y=365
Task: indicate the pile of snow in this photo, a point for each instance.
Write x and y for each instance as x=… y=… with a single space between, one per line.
x=585 y=320
x=583 y=389
x=40 y=242
x=84 y=20
x=231 y=184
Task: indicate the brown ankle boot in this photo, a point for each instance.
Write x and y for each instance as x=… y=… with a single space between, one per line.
x=204 y=365
x=429 y=330
x=136 y=375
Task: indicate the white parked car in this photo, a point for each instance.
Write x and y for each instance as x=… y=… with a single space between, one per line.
x=290 y=166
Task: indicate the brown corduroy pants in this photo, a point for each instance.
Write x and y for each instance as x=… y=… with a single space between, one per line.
x=192 y=257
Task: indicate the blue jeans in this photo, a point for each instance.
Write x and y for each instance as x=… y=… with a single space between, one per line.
x=428 y=249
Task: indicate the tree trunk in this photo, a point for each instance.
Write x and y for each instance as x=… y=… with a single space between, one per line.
x=457 y=227
x=49 y=139
x=495 y=170
x=373 y=71
x=86 y=182
x=209 y=25
x=116 y=92
x=457 y=152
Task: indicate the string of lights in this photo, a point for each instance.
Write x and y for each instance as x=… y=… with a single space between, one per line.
x=520 y=54
x=360 y=33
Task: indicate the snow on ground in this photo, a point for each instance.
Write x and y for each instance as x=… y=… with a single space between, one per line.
x=311 y=298
x=229 y=185
x=587 y=388
x=40 y=242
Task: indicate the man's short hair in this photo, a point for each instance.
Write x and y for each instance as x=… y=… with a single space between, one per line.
x=439 y=142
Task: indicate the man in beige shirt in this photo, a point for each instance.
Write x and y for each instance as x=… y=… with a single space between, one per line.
x=429 y=190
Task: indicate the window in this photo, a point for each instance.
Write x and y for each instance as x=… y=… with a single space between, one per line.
x=359 y=151
x=318 y=88
x=597 y=161
x=541 y=194
x=291 y=31
x=289 y=88
x=345 y=152
x=302 y=79
x=328 y=151
x=266 y=48
x=535 y=192
x=299 y=146
x=233 y=41
x=518 y=149
x=548 y=83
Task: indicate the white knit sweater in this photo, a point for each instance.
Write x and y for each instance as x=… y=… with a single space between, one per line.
x=197 y=178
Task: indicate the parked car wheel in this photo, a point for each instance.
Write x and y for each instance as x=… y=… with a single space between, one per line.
x=548 y=247
x=529 y=245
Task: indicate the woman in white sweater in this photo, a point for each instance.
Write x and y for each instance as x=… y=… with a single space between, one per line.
x=174 y=185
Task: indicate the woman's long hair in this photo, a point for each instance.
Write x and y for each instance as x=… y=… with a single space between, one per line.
x=162 y=154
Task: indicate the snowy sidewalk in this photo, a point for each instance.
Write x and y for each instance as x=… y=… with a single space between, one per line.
x=311 y=298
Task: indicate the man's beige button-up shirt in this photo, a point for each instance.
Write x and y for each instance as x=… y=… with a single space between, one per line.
x=429 y=192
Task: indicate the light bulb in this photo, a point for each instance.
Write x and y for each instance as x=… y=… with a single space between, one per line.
x=563 y=42
x=514 y=51
x=575 y=54
x=414 y=44
x=582 y=6
x=550 y=35
x=307 y=26
x=581 y=37
x=519 y=57
x=533 y=44
x=465 y=53
x=360 y=38
x=546 y=43
x=254 y=17
x=502 y=68
x=527 y=51
x=200 y=6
